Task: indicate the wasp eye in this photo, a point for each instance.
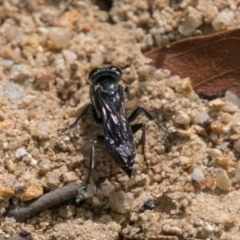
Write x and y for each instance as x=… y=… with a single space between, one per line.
x=93 y=72
x=116 y=70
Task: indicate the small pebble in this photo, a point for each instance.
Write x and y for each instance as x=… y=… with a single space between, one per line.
x=192 y=21
x=182 y=118
x=33 y=161
x=11 y=166
x=13 y=31
x=59 y=38
x=96 y=202
x=185 y=87
x=12 y=91
x=161 y=39
x=237 y=174
x=43 y=77
x=7 y=63
x=237 y=145
x=20 y=153
x=5 y=145
x=63 y=169
x=53 y=178
x=120 y=202
x=6 y=193
x=69 y=56
x=32 y=190
x=44 y=166
x=232 y=98
x=59 y=64
x=207 y=229
x=209 y=182
x=20 y=72
x=96 y=60
x=91 y=190
x=222 y=180
x=224 y=161
x=216 y=127
x=223 y=20
x=214 y=152
x=172 y=229
x=69 y=177
x=21 y=168
x=201 y=117
x=66 y=212
x=198 y=174
x=107 y=188
x=185 y=162
x=217 y=104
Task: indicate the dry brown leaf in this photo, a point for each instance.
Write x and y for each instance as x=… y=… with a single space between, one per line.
x=212 y=62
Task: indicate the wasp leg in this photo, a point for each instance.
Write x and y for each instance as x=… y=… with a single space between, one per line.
x=94 y=115
x=88 y=108
x=83 y=189
x=127 y=90
x=84 y=112
x=136 y=113
x=135 y=128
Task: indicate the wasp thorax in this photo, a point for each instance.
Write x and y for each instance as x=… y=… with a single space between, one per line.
x=108 y=86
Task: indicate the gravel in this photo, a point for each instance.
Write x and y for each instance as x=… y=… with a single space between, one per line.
x=44 y=63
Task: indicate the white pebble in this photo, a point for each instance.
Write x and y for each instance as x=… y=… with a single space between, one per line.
x=59 y=64
x=207 y=229
x=33 y=161
x=232 y=98
x=20 y=153
x=223 y=20
x=201 y=117
x=66 y=139
x=12 y=91
x=192 y=21
x=198 y=175
x=20 y=72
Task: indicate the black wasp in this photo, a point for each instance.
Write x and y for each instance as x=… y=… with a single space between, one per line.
x=107 y=108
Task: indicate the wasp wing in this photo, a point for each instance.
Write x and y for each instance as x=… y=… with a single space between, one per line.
x=117 y=131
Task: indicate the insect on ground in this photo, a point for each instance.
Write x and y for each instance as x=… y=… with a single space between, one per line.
x=107 y=108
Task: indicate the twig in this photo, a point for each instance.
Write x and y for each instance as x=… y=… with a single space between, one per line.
x=46 y=201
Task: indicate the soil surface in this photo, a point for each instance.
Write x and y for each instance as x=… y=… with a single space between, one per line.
x=47 y=50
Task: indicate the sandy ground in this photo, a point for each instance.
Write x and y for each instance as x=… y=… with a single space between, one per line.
x=45 y=59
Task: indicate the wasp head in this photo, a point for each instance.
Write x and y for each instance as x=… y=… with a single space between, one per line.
x=106 y=78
